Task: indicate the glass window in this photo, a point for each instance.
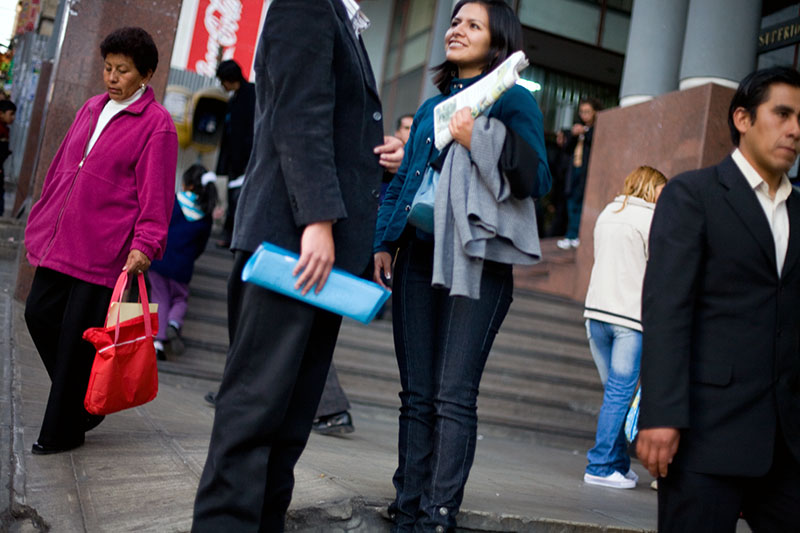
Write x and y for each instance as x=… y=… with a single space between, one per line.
x=415 y=53
x=782 y=57
x=616 y=27
x=575 y=19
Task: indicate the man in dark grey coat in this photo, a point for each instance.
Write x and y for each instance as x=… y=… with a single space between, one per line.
x=312 y=187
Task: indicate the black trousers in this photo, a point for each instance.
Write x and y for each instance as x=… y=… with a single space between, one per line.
x=274 y=375
x=694 y=502
x=58 y=310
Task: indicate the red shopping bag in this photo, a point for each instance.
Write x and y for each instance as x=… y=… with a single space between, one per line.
x=124 y=373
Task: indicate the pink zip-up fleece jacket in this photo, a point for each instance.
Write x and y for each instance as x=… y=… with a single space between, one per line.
x=94 y=210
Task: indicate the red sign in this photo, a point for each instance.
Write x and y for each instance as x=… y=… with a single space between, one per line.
x=225 y=29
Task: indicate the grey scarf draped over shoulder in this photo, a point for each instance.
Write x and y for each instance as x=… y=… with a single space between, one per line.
x=475 y=216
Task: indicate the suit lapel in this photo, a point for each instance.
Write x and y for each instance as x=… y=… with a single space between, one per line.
x=793 y=251
x=747 y=207
x=358 y=45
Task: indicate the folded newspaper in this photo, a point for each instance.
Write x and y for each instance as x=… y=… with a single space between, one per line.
x=478 y=96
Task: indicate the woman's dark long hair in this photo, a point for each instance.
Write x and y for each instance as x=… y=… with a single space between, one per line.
x=506 y=38
x=206 y=194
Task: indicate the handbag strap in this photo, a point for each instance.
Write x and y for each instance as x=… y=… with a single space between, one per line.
x=116 y=296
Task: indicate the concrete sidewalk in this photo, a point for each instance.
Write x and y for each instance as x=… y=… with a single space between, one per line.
x=138 y=471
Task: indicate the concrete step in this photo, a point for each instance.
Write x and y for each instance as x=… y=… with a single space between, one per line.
x=539 y=378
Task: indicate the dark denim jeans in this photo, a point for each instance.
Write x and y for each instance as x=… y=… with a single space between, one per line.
x=442 y=344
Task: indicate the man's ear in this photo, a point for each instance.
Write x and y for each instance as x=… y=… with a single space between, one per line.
x=742 y=119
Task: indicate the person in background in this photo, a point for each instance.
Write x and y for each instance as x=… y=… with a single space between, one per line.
x=613 y=319
x=579 y=146
x=105 y=208
x=441 y=341
x=189 y=229
x=8 y=111
x=237 y=138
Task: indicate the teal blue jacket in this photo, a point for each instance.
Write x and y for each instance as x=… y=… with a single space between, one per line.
x=516 y=109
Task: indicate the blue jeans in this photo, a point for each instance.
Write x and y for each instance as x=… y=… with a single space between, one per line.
x=442 y=344
x=617 y=352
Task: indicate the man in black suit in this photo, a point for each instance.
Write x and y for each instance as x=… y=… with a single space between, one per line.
x=311 y=187
x=720 y=408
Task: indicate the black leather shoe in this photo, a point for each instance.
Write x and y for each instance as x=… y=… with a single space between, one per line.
x=92 y=421
x=335 y=424
x=211 y=398
x=42 y=449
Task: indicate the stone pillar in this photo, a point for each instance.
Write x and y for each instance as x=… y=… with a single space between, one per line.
x=78 y=73
x=653 y=56
x=720 y=42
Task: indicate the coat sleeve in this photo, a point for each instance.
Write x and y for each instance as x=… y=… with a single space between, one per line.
x=299 y=44
x=671 y=286
x=155 y=185
x=518 y=111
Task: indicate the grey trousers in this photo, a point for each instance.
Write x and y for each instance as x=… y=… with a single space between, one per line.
x=334 y=400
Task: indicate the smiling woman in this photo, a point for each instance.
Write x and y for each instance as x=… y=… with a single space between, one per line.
x=105 y=207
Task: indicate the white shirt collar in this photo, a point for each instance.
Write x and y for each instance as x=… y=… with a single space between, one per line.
x=755 y=180
x=357 y=17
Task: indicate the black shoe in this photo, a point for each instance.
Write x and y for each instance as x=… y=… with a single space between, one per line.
x=92 y=421
x=211 y=398
x=160 y=355
x=43 y=449
x=176 y=345
x=336 y=424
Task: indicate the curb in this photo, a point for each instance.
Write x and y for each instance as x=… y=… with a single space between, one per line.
x=357 y=515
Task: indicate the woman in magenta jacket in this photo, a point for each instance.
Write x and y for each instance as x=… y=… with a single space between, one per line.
x=105 y=207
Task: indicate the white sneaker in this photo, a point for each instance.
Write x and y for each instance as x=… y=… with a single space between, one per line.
x=614 y=481
x=632 y=475
x=574 y=243
x=564 y=244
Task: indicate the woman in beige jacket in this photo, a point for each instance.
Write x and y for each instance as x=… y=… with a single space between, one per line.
x=613 y=319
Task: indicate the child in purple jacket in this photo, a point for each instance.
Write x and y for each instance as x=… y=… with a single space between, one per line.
x=189 y=230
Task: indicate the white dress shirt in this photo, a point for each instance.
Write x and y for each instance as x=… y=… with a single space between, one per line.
x=774 y=208
x=357 y=17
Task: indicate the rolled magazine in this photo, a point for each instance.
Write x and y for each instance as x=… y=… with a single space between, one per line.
x=478 y=96
x=271 y=267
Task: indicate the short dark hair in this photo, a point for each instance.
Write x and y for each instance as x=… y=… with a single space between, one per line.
x=400 y=119
x=229 y=70
x=594 y=102
x=754 y=91
x=506 y=38
x=7 y=105
x=135 y=43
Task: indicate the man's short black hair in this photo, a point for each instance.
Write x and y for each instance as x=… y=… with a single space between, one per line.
x=7 y=105
x=229 y=70
x=135 y=43
x=400 y=120
x=754 y=91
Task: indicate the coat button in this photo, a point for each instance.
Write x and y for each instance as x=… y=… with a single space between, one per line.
x=375 y=193
x=428 y=140
x=443 y=511
x=439 y=529
x=377 y=116
x=416 y=173
x=408 y=208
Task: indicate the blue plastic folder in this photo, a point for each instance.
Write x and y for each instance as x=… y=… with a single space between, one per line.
x=344 y=294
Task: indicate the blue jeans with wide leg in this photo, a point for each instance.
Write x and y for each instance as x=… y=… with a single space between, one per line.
x=617 y=353
x=442 y=344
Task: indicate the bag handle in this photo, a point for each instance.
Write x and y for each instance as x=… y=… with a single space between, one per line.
x=116 y=296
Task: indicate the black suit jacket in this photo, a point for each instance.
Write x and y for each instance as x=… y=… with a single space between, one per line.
x=237 y=141
x=318 y=118
x=721 y=344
